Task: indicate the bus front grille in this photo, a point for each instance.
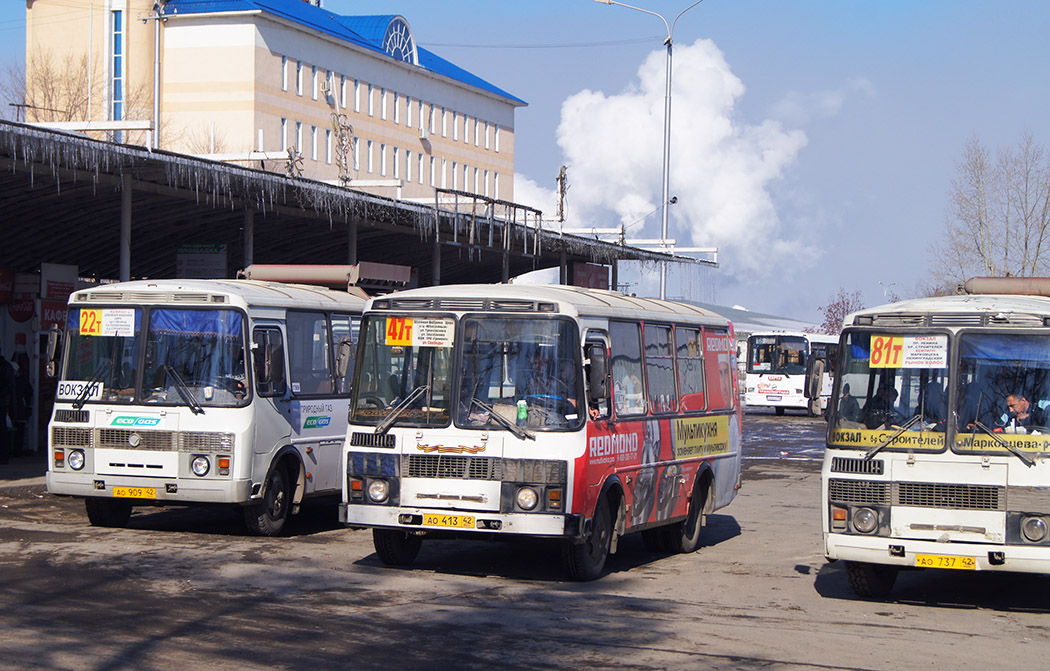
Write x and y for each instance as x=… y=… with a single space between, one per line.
x=67 y=436
x=950 y=496
x=451 y=466
x=200 y=441
x=858 y=491
x=123 y=439
x=857 y=466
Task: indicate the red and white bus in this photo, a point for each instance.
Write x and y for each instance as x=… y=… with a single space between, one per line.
x=546 y=411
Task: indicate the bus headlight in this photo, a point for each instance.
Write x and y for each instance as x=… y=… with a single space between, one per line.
x=76 y=459
x=1034 y=529
x=200 y=466
x=527 y=498
x=865 y=520
x=378 y=490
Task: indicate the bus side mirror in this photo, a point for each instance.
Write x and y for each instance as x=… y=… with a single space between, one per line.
x=53 y=335
x=344 y=356
x=597 y=373
x=814 y=378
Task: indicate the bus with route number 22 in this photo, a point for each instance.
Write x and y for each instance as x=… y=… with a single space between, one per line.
x=543 y=411
x=178 y=392
x=939 y=437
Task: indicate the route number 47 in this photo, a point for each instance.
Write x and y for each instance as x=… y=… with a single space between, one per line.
x=886 y=351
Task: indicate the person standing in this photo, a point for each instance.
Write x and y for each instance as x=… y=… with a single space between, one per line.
x=21 y=407
x=7 y=388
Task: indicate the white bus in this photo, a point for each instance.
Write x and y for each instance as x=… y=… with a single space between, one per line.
x=938 y=439
x=777 y=363
x=544 y=411
x=201 y=391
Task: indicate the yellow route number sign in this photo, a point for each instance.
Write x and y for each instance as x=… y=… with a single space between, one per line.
x=90 y=322
x=398 y=331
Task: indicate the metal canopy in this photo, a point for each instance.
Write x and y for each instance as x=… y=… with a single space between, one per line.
x=61 y=202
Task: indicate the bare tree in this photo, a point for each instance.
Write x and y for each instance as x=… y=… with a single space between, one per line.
x=836 y=309
x=998 y=218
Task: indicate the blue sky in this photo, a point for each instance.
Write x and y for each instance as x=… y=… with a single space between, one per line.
x=814 y=141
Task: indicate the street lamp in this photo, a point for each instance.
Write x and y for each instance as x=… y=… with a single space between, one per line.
x=667 y=124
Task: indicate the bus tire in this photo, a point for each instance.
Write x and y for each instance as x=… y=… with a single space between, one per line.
x=871 y=581
x=268 y=516
x=586 y=561
x=779 y=410
x=684 y=537
x=108 y=512
x=395 y=547
x=814 y=407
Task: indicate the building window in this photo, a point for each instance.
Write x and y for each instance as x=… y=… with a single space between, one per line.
x=382 y=104
x=433 y=167
x=342 y=91
x=408 y=165
x=284 y=134
x=313 y=81
x=328 y=147
x=382 y=160
x=444 y=173
x=371 y=102
x=455 y=125
x=117 y=82
x=357 y=153
x=476 y=190
x=419 y=173
x=444 y=122
x=495 y=186
x=455 y=175
x=331 y=84
x=261 y=146
x=370 y=158
x=408 y=111
x=299 y=137
x=397 y=164
x=397 y=108
x=476 y=126
x=357 y=96
x=486 y=135
x=298 y=78
x=433 y=121
x=495 y=132
x=466 y=129
x=486 y=186
x=313 y=143
x=466 y=178
x=422 y=119
x=284 y=73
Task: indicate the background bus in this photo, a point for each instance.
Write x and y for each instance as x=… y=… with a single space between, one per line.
x=937 y=443
x=201 y=391
x=776 y=370
x=546 y=411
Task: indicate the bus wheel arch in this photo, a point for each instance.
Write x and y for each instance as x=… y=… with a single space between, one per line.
x=279 y=497
x=586 y=560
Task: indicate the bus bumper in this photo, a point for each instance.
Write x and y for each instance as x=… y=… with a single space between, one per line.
x=526 y=524
x=902 y=552
x=176 y=491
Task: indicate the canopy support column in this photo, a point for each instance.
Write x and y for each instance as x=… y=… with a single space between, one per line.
x=125 y=227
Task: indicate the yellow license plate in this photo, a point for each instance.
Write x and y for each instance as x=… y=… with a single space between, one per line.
x=135 y=492
x=944 y=561
x=450 y=521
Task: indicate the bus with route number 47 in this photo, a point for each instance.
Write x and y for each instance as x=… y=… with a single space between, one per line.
x=543 y=411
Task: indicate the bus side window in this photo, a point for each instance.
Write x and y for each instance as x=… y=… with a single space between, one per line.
x=659 y=369
x=628 y=393
x=268 y=360
x=690 y=362
x=344 y=330
x=309 y=354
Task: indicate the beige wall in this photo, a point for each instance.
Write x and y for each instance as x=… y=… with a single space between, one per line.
x=221 y=84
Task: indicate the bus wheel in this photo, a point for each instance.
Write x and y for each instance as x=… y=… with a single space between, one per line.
x=586 y=560
x=396 y=548
x=779 y=410
x=684 y=537
x=870 y=580
x=108 y=512
x=268 y=516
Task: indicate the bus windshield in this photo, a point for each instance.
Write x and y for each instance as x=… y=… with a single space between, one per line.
x=891 y=385
x=777 y=354
x=523 y=371
x=1003 y=388
x=191 y=357
x=405 y=363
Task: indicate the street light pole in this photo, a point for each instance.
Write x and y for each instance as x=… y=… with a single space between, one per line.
x=666 y=187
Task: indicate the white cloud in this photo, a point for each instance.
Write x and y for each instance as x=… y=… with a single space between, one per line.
x=801 y=108
x=721 y=168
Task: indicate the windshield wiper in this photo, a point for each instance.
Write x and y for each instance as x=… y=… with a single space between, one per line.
x=904 y=427
x=503 y=421
x=385 y=425
x=184 y=391
x=96 y=377
x=1025 y=459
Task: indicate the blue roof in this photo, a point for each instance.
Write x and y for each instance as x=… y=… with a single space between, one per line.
x=363 y=31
